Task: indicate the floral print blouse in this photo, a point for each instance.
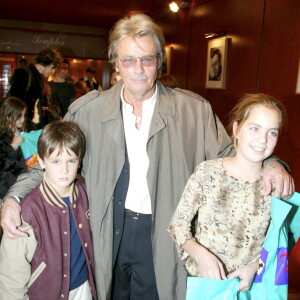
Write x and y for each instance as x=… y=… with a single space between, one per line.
x=233 y=216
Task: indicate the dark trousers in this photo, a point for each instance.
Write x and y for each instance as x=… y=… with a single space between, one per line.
x=134 y=277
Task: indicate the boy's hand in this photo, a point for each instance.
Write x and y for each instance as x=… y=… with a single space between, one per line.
x=246 y=274
x=11 y=220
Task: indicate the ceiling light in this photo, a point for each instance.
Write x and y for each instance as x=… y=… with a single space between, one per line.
x=176 y=5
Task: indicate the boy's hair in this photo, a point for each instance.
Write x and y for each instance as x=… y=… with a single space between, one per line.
x=60 y=135
x=10 y=111
x=48 y=56
x=241 y=110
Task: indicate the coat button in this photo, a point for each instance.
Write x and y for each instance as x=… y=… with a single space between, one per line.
x=62 y=295
x=125 y=171
x=65 y=275
x=64 y=211
x=65 y=232
x=121 y=202
x=66 y=254
x=118 y=231
x=85 y=245
x=80 y=225
x=74 y=205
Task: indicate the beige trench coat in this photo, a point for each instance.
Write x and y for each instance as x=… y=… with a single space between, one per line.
x=183 y=132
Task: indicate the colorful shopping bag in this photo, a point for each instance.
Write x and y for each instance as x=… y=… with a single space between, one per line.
x=271 y=280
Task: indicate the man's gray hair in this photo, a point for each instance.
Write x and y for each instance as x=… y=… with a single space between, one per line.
x=136 y=25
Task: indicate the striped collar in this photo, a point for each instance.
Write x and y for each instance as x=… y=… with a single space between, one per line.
x=52 y=196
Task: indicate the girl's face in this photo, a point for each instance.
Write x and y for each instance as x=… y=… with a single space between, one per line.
x=21 y=120
x=257 y=137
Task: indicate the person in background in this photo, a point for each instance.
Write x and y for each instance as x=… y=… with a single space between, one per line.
x=227 y=194
x=143 y=142
x=12 y=122
x=30 y=84
x=23 y=63
x=56 y=259
x=81 y=88
x=115 y=77
x=62 y=92
x=90 y=80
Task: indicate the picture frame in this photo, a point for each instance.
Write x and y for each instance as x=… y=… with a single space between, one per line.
x=298 y=80
x=216 y=63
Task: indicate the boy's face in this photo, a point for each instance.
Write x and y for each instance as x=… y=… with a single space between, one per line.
x=61 y=169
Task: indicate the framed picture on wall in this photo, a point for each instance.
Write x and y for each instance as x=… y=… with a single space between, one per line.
x=216 y=63
x=298 y=80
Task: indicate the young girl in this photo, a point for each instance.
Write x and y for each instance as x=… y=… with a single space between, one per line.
x=12 y=117
x=228 y=195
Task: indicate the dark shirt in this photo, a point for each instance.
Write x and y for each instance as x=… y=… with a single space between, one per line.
x=62 y=95
x=79 y=271
x=12 y=164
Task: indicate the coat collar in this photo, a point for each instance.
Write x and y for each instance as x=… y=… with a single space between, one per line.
x=52 y=197
x=165 y=104
x=111 y=108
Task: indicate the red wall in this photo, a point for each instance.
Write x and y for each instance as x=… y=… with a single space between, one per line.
x=263 y=56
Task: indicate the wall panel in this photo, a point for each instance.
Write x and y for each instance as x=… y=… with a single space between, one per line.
x=278 y=71
x=263 y=57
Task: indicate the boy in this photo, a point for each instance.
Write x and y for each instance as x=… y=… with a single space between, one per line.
x=55 y=261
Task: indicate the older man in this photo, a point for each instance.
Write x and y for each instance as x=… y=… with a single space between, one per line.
x=143 y=143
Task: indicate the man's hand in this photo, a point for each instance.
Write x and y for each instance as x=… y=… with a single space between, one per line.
x=11 y=220
x=246 y=274
x=278 y=181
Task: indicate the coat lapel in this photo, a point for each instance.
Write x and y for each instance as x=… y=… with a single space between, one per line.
x=164 y=107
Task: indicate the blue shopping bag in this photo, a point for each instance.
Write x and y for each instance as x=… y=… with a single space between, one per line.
x=271 y=280
x=207 y=288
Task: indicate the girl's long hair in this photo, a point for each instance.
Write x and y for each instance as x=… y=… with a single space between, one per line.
x=10 y=111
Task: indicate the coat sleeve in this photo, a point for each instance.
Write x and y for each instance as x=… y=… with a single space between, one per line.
x=26 y=182
x=217 y=142
x=15 y=266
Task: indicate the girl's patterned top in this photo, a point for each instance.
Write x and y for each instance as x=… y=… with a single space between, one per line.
x=233 y=216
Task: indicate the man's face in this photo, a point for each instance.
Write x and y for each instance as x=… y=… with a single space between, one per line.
x=216 y=65
x=139 y=80
x=89 y=75
x=48 y=70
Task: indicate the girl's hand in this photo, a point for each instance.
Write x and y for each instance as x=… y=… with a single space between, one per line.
x=17 y=141
x=246 y=274
x=209 y=265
